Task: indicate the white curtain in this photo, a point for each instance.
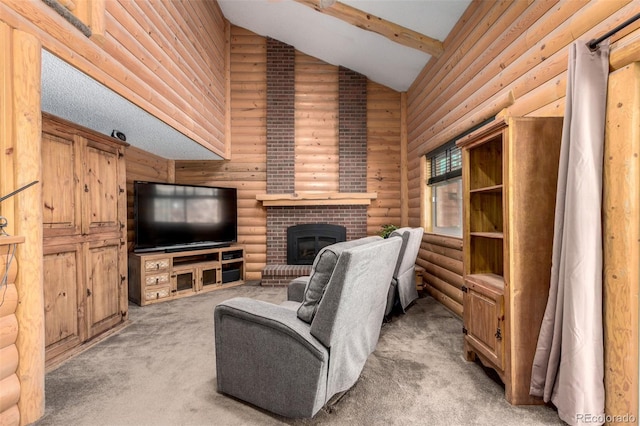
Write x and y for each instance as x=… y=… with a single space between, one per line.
x=568 y=365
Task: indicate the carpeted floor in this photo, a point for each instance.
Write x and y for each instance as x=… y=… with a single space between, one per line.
x=160 y=370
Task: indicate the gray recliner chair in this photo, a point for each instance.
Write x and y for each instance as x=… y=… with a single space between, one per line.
x=402 y=290
x=292 y=361
x=297 y=286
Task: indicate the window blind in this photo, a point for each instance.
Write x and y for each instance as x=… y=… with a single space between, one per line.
x=445 y=162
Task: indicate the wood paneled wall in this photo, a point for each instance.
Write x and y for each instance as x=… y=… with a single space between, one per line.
x=246 y=170
x=383 y=156
x=441 y=258
x=513 y=56
x=316 y=133
x=501 y=54
x=146 y=48
x=145 y=166
x=179 y=46
x=316 y=125
x=166 y=57
x=9 y=381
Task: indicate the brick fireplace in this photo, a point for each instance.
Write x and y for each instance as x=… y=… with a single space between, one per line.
x=352 y=133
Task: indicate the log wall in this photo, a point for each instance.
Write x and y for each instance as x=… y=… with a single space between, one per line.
x=316 y=125
x=9 y=381
x=246 y=170
x=316 y=142
x=501 y=55
x=166 y=57
x=383 y=156
x=511 y=58
x=441 y=258
x=177 y=51
x=144 y=166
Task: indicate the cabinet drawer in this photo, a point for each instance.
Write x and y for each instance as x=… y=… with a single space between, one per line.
x=156 y=264
x=157 y=293
x=157 y=279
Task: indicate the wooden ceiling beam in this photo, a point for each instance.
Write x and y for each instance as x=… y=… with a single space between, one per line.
x=369 y=22
x=326 y=3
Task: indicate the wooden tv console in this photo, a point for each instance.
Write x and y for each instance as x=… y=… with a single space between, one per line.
x=161 y=276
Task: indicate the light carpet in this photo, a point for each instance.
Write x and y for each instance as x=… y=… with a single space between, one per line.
x=160 y=370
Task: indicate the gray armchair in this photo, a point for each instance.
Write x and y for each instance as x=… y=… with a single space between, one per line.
x=403 y=286
x=298 y=286
x=270 y=357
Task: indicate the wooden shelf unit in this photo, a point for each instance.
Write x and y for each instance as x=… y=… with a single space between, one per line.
x=509 y=187
x=160 y=276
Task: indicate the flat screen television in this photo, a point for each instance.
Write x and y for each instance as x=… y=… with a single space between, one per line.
x=174 y=217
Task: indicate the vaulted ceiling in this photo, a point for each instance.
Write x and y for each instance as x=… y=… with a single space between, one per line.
x=389 y=41
x=402 y=36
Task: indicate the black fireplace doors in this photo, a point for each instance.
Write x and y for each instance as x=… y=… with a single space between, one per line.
x=305 y=241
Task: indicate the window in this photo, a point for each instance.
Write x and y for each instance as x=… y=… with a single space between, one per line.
x=444 y=171
x=446 y=163
x=441 y=198
x=447 y=207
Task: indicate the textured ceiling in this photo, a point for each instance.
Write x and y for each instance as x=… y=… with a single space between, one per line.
x=339 y=43
x=70 y=94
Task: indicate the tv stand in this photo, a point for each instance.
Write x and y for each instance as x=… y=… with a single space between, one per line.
x=161 y=276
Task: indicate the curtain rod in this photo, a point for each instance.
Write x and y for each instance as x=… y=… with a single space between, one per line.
x=593 y=44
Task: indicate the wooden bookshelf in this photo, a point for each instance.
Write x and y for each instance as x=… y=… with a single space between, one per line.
x=509 y=186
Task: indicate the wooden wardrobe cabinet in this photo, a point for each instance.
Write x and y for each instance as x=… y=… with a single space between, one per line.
x=84 y=221
x=510 y=169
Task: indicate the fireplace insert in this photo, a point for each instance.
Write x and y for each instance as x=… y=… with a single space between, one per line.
x=305 y=241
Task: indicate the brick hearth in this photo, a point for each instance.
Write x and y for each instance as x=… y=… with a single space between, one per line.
x=283 y=274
